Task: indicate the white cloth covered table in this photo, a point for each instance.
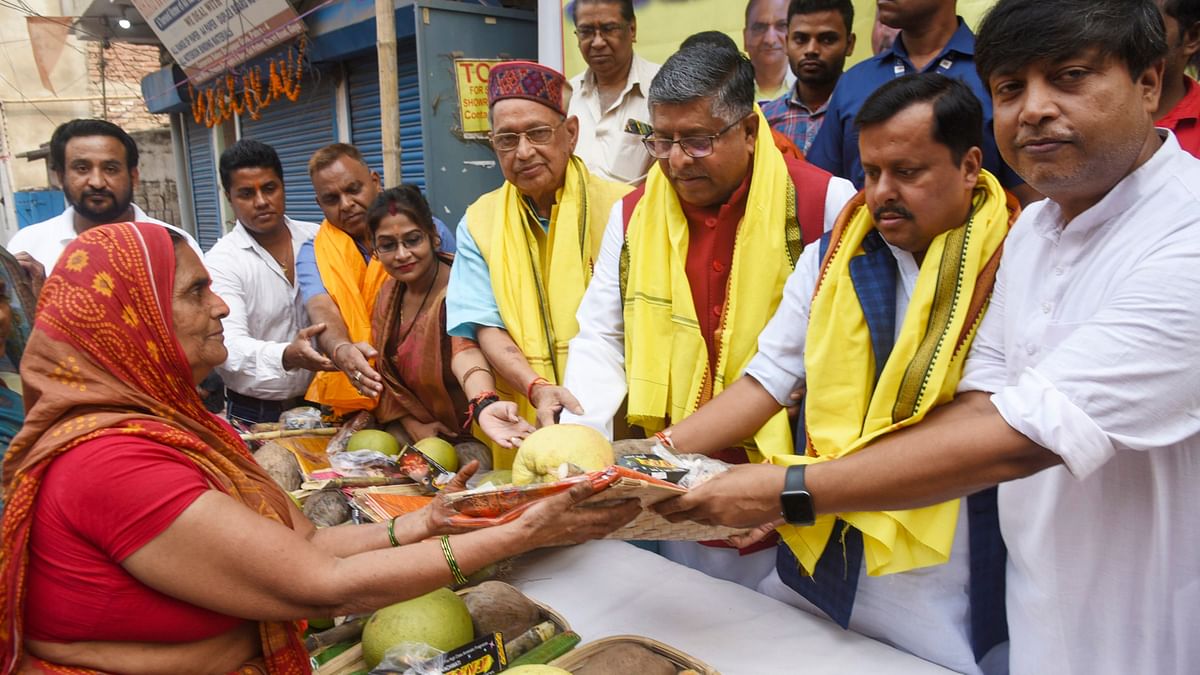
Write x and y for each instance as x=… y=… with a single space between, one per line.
x=606 y=588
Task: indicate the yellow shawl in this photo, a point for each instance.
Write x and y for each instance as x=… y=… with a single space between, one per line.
x=849 y=410
x=539 y=277
x=353 y=284
x=666 y=358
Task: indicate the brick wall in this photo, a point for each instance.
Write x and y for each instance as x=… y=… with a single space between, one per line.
x=125 y=66
x=156 y=190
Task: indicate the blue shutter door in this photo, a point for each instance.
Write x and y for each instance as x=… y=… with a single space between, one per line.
x=205 y=188
x=365 y=131
x=296 y=131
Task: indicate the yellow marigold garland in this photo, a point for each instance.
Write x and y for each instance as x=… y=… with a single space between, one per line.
x=222 y=100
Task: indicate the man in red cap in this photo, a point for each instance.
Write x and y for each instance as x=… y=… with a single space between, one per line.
x=526 y=250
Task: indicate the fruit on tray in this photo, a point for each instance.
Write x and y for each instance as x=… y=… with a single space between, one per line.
x=374 y=439
x=439 y=619
x=627 y=657
x=542 y=457
x=497 y=607
x=439 y=451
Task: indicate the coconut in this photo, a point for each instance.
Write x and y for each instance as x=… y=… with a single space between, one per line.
x=280 y=465
x=469 y=450
x=497 y=607
x=542 y=454
x=438 y=619
x=626 y=657
x=327 y=508
x=633 y=446
x=537 y=669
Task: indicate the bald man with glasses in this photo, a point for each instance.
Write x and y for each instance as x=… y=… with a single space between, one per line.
x=526 y=250
x=609 y=97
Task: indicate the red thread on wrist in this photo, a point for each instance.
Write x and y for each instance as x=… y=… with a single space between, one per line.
x=536 y=381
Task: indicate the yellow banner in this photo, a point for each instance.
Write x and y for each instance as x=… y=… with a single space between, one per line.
x=472 y=77
x=663 y=24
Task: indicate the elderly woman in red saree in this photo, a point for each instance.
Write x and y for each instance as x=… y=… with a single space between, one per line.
x=140 y=536
x=434 y=384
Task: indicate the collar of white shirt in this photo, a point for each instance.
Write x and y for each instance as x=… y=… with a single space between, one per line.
x=640 y=74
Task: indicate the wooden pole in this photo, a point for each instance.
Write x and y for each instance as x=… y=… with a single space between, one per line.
x=389 y=90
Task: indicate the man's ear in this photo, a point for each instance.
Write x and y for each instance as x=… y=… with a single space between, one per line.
x=134 y=176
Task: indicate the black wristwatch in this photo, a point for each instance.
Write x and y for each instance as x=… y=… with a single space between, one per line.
x=795 y=501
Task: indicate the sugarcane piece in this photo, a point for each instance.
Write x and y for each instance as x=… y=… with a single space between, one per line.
x=530 y=639
x=349 y=631
x=548 y=651
x=288 y=433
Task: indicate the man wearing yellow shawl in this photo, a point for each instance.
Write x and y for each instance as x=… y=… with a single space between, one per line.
x=876 y=323
x=339 y=279
x=693 y=266
x=527 y=249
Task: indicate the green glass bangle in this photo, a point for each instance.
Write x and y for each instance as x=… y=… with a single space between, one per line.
x=391 y=529
x=459 y=578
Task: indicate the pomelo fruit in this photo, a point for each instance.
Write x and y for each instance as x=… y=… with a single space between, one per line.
x=439 y=619
x=540 y=456
x=439 y=451
x=373 y=439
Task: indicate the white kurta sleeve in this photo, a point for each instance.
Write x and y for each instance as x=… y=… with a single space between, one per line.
x=596 y=355
x=779 y=364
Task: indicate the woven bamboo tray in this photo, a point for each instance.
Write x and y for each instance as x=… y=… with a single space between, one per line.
x=578 y=656
x=652 y=527
x=351 y=660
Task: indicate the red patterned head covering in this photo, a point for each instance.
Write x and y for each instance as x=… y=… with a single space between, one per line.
x=103 y=361
x=527 y=80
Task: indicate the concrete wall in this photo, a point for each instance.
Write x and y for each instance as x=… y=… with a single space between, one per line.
x=156 y=192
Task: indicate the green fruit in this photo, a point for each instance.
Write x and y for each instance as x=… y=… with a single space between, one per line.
x=439 y=451
x=439 y=619
x=373 y=439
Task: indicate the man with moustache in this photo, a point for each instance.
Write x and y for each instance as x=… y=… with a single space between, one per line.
x=1179 y=106
x=97 y=164
x=611 y=92
x=526 y=250
x=692 y=266
x=849 y=329
x=271 y=358
x=932 y=38
x=763 y=38
x=339 y=278
x=1079 y=393
x=820 y=37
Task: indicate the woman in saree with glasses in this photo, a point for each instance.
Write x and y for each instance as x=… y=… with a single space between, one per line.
x=433 y=384
x=141 y=537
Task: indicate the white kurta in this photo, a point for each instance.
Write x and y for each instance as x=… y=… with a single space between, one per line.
x=933 y=600
x=1092 y=347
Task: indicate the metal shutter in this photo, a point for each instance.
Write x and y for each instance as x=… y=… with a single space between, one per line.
x=205 y=189
x=296 y=131
x=363 y=78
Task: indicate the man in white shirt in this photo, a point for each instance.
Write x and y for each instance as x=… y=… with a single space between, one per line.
x=611 y=93
x=1080 y=387
x=722 y=209
x=765 y=38
x=271 y=356
x=97 y=165
x=925 y=200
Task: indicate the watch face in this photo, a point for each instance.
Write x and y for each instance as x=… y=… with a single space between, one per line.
x=797 y=507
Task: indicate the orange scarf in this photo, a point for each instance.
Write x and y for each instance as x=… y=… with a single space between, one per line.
x=103 y=361
x=353 y=284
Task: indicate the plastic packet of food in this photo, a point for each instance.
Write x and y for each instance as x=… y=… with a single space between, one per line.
x=303 y=417
x=421 y=468
x=361 y=420
x=363 y=463
x=700 y=468
x=410 y=658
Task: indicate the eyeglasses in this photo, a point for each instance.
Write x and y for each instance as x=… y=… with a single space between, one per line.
x=760 y=28
x=508 y=142
x=695 y=147
x=607 y=31
x=392 y=246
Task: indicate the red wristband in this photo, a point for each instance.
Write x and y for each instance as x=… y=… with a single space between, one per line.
x=536 y=381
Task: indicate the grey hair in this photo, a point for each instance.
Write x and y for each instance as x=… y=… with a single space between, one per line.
x=723 y=75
